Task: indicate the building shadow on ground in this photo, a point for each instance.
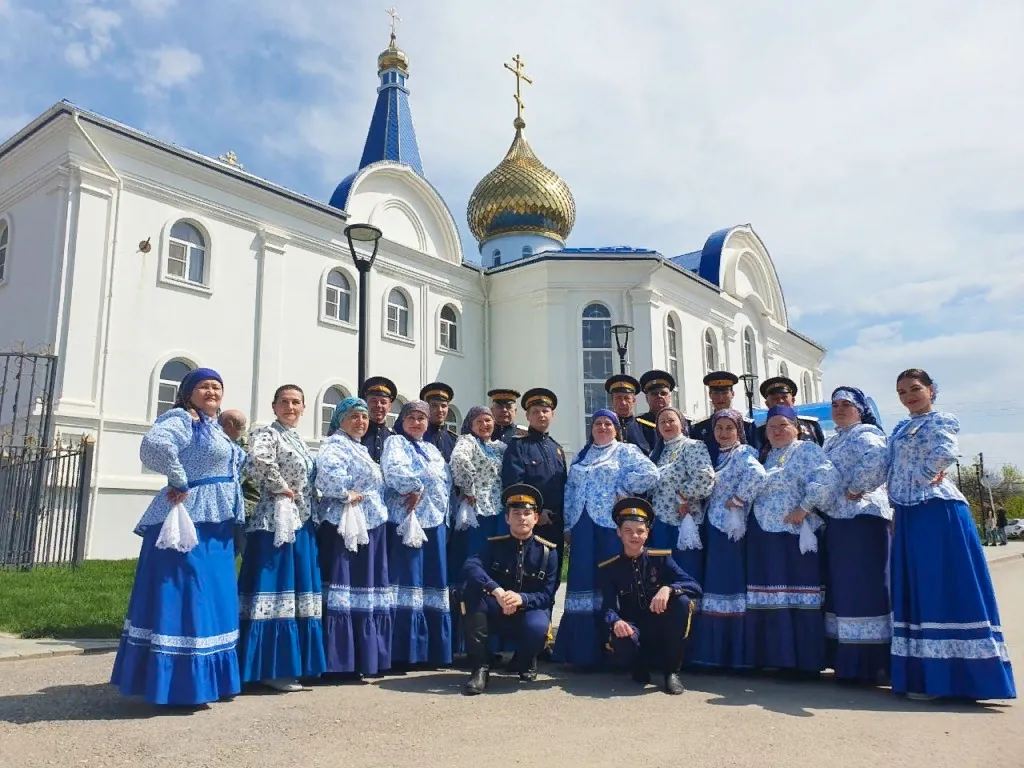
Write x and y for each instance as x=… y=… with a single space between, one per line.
x=97 y=701
x=449 y=682
x=801 y=699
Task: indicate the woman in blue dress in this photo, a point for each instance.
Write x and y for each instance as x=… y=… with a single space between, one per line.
x=685 y=480
x=279 y=592
x=476 y=472
x=858 y=625
x=947 y=640
x=179 y=645
x=351 y=516
x=785 y=622
x=603 y=471
x=718 y=638
x=417 y=484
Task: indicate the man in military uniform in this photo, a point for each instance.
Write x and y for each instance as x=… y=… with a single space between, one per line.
x=720 y=389
x=779 y=390
x=503 y=409
x=379 y=393
x=646 y=600
x=658 y=387
x=623 y=388
x=438 y=395
x=510 y=589
x=538 y=460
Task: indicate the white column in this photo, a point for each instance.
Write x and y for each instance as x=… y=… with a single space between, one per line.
x=267 y=341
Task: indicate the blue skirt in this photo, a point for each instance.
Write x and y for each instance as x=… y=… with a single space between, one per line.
x=181 y=631
x=718 y=632
x=360 y=603
x=665 y=536
x=581 y=632
x=423 y=619
x=280 y=632
x=858 y=624
x=947 y=640
x=785 y=625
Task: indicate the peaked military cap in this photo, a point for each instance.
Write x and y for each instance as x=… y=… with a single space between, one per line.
x=504 y=395
x=657 y=380
x=622 y=383
x=437 y=391
x=522 y=495
x=379 y=385
x=539 y=396
x=721 y=380
x=633 y=508
x=776 y=385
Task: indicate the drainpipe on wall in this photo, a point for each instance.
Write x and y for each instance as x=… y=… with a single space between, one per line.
x=109 y=291
x=487 y=330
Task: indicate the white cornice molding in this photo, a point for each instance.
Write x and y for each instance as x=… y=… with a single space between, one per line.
x=55 y=174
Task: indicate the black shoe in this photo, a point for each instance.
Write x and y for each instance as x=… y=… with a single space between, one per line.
x=641 y=674
x=477 y=682
x=673 y=685
x=528 y=674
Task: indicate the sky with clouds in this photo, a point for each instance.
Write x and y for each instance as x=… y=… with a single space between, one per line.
x=875 y=146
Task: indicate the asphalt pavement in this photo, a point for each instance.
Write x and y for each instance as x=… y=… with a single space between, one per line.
x=59 y=711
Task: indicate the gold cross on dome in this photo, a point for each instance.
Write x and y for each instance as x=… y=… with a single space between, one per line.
x=517 y=70
x=395 y=18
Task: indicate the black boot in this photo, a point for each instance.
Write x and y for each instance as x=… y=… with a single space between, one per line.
x=528 y=671
x=673 y=685
x=474 y=628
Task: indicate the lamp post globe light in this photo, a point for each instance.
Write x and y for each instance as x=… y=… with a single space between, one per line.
x=749 y=381
x=368 y=237
x=621 y=333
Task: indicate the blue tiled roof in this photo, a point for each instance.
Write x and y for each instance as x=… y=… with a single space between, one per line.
x=604 y=249
x=392 y=137
x=690 y=261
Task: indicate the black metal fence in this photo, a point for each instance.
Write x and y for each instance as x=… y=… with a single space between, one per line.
x=45 y=480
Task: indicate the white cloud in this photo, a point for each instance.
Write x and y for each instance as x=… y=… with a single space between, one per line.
x=170 y=67
x=96 y=26
x=152 y=8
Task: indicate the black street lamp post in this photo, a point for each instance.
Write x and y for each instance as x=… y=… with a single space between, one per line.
x=621 y=333
x=366 y=234
x=749 y=380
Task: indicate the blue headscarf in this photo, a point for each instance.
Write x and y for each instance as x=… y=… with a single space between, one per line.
x=859 y=401
x=608 y=414
x=202 y=429
x=782 y=410
x=342 y=409
x=411 y=407
x=735 y=417
x=474 y=412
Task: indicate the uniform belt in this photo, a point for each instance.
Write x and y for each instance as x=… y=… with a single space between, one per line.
x=218 y=480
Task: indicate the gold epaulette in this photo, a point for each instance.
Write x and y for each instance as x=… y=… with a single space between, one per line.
x=609 y=561
x=646 y=423
x=545 y=542
x=499 y=538
x=659 y=552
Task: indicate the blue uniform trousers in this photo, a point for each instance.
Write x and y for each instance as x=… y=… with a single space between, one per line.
x=526 y=631
x=658 y=639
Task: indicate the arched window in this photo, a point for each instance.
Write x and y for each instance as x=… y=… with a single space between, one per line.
x=710 y=351
x=338 y=296
x=454 y=419
x=672 y=354
x=396 y=408
x=186 y=254
x=495 y=258
x=783 y=369
x=398 y=314
x=750 y=353
x=4 y=237
x=332 y=396
x=448 y=331
x=527 y=251
x=171 y=375
x=597 y=357
x=808 y=388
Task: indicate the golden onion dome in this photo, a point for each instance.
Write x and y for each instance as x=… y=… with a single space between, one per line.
x=521 y=195
x=392 y=57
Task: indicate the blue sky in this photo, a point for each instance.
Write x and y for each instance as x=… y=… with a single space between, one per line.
x=875 y=147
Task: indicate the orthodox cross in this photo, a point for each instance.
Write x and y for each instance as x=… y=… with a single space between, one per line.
x=395 y=18
x=517 y=70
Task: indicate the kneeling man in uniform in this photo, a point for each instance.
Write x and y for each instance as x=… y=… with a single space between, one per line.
x=647 y=600
x=510 y=589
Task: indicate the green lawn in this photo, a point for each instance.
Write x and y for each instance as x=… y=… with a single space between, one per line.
x=67 y=602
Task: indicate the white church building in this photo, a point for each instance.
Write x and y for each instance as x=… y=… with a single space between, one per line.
x=134 y=260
